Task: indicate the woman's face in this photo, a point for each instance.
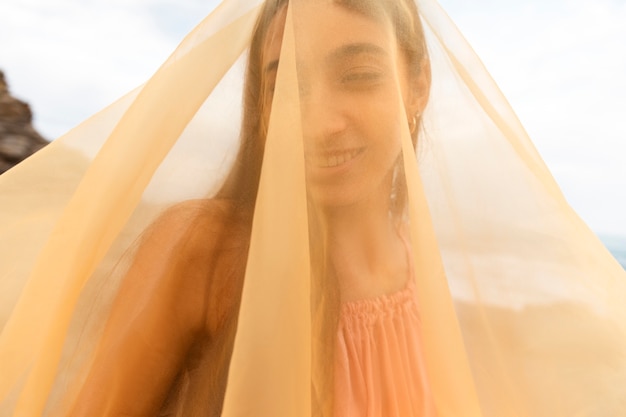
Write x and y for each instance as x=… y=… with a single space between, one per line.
x=354 y=99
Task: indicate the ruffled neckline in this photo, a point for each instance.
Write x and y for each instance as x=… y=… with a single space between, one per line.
x=370 y=310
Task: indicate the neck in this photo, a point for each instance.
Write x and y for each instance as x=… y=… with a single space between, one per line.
x=364 y=249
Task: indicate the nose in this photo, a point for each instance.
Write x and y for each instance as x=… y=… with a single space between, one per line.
x=324 y=114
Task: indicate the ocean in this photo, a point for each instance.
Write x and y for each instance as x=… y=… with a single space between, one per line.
x=617 y=246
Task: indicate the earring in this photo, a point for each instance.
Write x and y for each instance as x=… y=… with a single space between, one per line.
x=413 y=123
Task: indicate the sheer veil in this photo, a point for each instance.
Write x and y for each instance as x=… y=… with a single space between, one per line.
x=521 y=308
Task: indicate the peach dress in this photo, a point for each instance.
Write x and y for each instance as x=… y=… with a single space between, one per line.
x=379 y=365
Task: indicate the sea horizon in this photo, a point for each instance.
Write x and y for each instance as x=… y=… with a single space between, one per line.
x=616 y=244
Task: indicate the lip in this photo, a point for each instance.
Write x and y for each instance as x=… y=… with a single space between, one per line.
x=335 y=159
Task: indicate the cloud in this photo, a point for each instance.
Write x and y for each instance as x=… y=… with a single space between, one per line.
x=561 y=65
x=70 y=58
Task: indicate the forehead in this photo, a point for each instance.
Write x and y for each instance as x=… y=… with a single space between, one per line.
x=323 y=28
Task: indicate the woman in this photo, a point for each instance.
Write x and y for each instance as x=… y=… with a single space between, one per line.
x=353 y=60
x=311 y=282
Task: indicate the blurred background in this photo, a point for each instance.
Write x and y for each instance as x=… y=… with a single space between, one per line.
x=560 y=63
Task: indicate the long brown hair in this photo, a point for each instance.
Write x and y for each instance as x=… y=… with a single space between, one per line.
x=242 y=182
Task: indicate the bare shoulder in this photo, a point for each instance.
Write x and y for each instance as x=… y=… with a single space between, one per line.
x=202 y=244
x=195 y=228
x=177 y=290
x=202 y=213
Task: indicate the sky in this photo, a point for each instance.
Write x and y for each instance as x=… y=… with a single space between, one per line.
x=560 y=63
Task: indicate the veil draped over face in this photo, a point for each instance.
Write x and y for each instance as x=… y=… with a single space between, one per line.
x=293 y=141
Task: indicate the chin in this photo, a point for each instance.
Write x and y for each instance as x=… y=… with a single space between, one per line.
x=333 y=199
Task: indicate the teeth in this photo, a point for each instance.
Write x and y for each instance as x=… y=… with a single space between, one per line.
x=337 y=159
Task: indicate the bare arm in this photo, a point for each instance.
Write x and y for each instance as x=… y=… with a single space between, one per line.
x=158 y=313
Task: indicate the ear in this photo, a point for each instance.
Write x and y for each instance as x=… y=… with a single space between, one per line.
x=418 y=91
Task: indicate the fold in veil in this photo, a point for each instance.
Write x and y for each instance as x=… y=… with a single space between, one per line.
x=520 y=305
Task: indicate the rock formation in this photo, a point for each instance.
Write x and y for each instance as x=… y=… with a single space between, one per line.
x=18 y=138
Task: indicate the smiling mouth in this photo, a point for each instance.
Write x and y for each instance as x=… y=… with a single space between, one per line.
x=335 y=159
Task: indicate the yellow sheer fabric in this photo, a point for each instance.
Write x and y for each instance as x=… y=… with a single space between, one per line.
x=520 y=306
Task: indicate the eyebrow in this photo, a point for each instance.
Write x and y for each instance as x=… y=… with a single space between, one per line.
x=342 y=52
x=354 y=49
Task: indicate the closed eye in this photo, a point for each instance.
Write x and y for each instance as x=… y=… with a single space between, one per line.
x=361 y=76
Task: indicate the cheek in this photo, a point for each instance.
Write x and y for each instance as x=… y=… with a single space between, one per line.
x=386 y=124
x=389 y=145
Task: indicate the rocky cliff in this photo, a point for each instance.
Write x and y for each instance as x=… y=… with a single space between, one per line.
x=18 y=138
